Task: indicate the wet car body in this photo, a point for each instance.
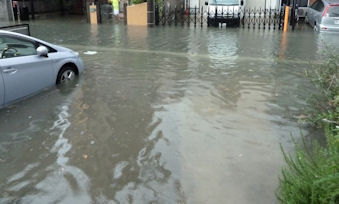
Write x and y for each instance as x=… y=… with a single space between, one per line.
x=323 y=15
x=25 y=69
x=224 y=11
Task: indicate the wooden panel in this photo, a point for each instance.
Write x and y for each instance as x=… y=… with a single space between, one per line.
x=137 y=14
x=93 y=14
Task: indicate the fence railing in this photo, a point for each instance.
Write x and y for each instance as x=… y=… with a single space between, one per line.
x=243 y=17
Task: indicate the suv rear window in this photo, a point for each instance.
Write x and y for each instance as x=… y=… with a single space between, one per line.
x=333 y=11
x=224 y=2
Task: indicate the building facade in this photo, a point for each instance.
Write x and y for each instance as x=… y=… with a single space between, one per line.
x=6 y=12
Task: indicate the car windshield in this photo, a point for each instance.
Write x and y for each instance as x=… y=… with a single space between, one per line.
x=333 y=11
x=224 y=2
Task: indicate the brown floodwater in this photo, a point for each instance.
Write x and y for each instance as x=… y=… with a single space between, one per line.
x=161 y=115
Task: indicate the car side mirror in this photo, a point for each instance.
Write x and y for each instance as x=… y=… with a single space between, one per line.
x=241 y=2
x=206 y=3
x=42 y=51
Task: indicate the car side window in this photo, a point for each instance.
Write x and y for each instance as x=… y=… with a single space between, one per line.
x=320 y=6
x=315 y=4
x=15 y=47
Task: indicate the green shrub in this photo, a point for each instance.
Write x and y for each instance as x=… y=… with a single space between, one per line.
x=325 y=104
x=311 y=176
x=138 y=1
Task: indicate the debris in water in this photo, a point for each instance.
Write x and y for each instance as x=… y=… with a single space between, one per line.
x=90 y=52
x=301 y=116
x=85 y=156
x=92 y=142
x=85 y=106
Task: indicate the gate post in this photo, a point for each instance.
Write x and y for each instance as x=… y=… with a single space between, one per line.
x=150 y=13
x=125 y=13
x=293 y=14
x=156 y=15
x=202 y=16
x=195 y=16
x=175 y=15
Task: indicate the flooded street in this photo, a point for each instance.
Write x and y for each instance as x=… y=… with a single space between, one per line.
x=160 y=115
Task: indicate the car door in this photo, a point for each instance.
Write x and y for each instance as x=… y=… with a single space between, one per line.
x=318 y=13
x=311 y=12
x=23 y=71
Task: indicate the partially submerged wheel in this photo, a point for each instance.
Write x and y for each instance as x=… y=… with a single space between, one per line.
x=66 y=75
x=315 y=28
x=212 y=22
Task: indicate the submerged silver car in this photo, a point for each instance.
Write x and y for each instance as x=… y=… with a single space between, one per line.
x=323 y=15
x=28 y=65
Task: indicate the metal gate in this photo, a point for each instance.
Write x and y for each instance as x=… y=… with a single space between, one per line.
x=255 y=18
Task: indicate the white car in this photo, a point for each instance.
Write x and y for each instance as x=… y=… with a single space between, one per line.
x=224 y=11
x=323 y=15
x=28 y=65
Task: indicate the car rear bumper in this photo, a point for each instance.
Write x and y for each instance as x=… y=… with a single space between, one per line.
x=326 y=28
x=231 y=21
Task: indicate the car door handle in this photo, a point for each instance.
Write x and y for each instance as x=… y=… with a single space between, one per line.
x=9 y=71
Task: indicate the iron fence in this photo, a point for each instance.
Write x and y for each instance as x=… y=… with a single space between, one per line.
x=243 y=17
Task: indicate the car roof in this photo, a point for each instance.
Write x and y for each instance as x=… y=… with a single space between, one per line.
x=16 y=34
x=26 y=37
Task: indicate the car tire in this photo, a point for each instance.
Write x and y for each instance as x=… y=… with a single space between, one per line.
x=211 y=22
x=66 y=74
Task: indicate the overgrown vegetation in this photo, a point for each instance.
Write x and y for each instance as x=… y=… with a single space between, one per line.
x=312 y=174
x=138 y=1
x=325 y=104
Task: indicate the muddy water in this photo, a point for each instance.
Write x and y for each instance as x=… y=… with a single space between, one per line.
x=163 y=115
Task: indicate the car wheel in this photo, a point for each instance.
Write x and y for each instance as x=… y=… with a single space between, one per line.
x=66 y=75
x=212 y=22
x=315 y=28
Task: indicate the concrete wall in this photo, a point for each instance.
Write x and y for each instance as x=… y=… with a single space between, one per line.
x=6 y=12
x=137 y=14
